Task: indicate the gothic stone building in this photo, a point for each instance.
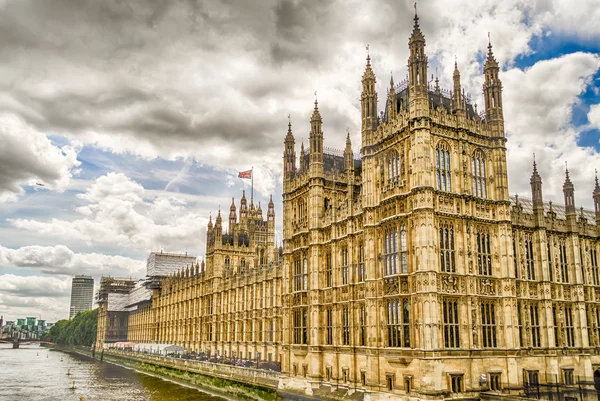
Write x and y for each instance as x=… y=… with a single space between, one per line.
x=412 y=271
x=231 y=304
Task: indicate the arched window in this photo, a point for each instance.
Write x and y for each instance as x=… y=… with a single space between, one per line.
x=398 y=323
x=447 y=262
x=478 y=174
x=243 y=263
x=403 y=255
x=394 y=167
x=442 y=167
x=390 y=252
x=262 y=257
x=227 y=263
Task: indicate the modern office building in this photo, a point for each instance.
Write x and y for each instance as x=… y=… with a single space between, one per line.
x=82 y=295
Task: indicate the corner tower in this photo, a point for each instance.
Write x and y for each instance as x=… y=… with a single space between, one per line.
x=368 y=103
x=492 y=93
x=417 y=72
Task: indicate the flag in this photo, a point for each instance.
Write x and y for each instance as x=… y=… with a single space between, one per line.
x=245 y=174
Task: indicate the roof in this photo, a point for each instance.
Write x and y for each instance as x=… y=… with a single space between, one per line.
x=527 y=205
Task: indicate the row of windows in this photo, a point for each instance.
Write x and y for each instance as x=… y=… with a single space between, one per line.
x=528 y=255
x=443 y=172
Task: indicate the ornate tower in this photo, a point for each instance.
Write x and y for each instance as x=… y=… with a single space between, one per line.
x=232 y=216
x=271 y=222
x=596 y=196
x=492 y=93
x=391 y=101
x=536 y=194
x=316 y=140
x=458 y=98
x=368 y=103
x=569 y=192
x=289 y=153
x=417 y=72
x=348 y=156
x=243 y=208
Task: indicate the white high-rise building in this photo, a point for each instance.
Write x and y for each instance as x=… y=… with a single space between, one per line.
x=82 y=295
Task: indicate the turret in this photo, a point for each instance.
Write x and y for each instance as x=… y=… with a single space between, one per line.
x=316 y=136
x=348 y=156
x=271 y=210
x=289 y=153
x=417 y=71
x=492 y=94
x=536 y=188
x=596 y=196
x=232 y=216
x=219 y=224
x=259 y=214
x=569 y=192
x=391 y=101
x=302 y=161
x=457 y=97
x=243 y=207
x=368 y=102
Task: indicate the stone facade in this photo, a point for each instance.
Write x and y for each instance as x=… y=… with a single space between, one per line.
x=411 y=272
x=406 y=272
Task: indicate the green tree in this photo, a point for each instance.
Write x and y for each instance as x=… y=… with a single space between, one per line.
x=81 y=330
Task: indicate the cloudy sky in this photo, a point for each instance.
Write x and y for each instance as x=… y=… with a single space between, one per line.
x=137 y=116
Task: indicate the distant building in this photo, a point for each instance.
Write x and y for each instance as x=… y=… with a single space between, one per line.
x=82 y=295
x=163 y=264
x=113 y=297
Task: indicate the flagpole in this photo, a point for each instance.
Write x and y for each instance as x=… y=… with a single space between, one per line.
x=252 y=186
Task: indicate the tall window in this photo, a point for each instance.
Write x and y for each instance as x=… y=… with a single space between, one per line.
x=451 y=324
x=569 y=329
x=361 y=263
x=300 y=274
x=362 y=316
x=562 y=261
x=535 y=326
x=484 y=253
x=227 y=263
x=300 y=326
x=390 y=252
x=394 y=167
x=328 y=270
x=447 y=248
x=550 y=268
x=478 y=174
x=398 y=323
x=594 y=263
x=442 y=167
x=403 y=255
x=344 y=266
x=529 y=258
x=346 y=326
x=488 y=324
x=593 y=314
x=515 y=258
x=555 y=323
x=520 y=322
x=329 y=327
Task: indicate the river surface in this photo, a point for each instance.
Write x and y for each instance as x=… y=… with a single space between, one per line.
x=35 y=373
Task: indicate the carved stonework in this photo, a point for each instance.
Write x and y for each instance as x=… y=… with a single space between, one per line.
x=448 y=284
x=391 y=286
x=487 y=286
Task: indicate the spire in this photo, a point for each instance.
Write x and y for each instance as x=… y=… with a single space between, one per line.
x=218 y=220
x=210 y=223
x=348 y=157
x=458 y=98
x=391 y=102
x=492 y=93
x=368 y=102
x=596 y=197
x=316 y=135
x=536 y=188
x=243 y=206
x=232 y=215
x=437 y=83
x=289 y=153
x=569 y=193
x=417 y=64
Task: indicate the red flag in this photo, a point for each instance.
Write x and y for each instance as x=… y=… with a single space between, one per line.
x=245 y=174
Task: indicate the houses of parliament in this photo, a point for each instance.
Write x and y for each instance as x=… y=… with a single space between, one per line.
x=407 y=272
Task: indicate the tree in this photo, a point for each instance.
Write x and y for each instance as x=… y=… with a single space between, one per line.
x=81 y=330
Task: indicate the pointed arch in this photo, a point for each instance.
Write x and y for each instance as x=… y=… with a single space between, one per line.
x=443 y=174
x=478 y=174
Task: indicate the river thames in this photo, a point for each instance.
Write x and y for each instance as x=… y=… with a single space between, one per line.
x=34 y=373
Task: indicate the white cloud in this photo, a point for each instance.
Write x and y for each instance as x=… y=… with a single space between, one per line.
x=27 y=156
x=122 y=213
x=538 y=105
x=594 y=116
x=61 y=260
x=44 y=297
